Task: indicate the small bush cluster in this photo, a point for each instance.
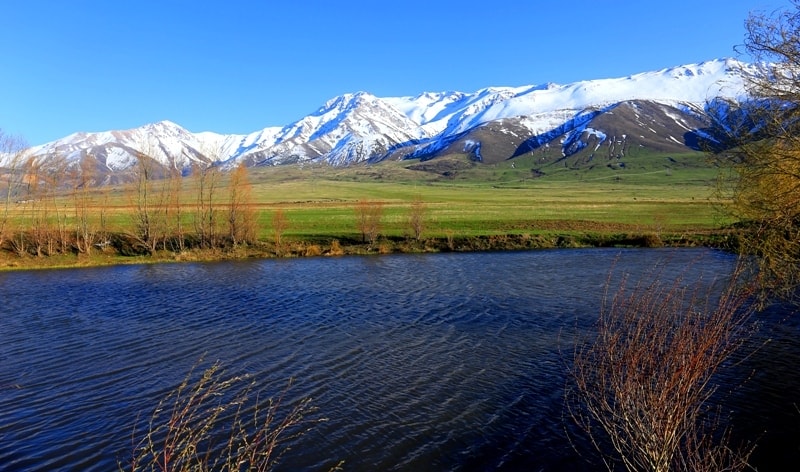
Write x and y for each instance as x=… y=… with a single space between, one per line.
x=641 y=386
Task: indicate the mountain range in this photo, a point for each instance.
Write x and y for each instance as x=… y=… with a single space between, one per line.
x=665 y=110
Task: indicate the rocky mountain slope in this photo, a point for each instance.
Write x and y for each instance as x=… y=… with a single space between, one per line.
x=662 y=111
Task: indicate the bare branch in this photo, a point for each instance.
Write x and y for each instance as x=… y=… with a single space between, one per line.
x=641 y=386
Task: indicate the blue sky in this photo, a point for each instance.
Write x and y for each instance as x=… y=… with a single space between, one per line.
x=240 y=66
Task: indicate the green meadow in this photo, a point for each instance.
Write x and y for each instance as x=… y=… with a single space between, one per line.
x=505 y=198
x=650 y=200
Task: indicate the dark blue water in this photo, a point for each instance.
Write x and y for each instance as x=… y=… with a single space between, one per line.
x=430 y=362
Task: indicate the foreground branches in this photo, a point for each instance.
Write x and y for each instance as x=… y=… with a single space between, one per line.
x=212 y=422
x=641 y=386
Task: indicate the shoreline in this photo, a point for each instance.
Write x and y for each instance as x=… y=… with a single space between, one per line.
x=334 y=247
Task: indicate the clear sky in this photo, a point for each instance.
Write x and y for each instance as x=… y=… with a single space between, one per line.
x=238 y=66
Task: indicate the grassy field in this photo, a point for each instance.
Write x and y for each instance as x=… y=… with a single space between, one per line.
x=670 y=197
x=502 y=198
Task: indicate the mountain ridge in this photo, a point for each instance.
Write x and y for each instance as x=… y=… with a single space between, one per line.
x=356 y=128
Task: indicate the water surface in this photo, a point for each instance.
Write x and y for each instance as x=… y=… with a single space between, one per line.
x=428 y=362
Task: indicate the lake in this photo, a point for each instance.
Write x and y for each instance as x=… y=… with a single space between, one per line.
x=418 y=362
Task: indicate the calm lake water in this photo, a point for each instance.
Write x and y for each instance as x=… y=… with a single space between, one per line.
x=428 y=362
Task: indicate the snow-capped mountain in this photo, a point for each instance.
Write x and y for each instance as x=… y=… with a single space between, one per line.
x=350 y=128
x=666 y=106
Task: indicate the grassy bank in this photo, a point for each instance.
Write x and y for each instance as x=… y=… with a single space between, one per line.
x=314 y=247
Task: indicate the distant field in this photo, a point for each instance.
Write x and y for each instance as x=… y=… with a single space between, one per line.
x=491 y=199
x=537 y=204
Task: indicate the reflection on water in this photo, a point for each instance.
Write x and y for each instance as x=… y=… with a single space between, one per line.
x=431 y=362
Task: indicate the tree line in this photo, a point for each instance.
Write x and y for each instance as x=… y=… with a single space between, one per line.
x=51 y=206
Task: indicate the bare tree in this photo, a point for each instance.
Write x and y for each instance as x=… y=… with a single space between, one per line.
x=173 y=208
x=641 y=386
x=144 y=201
x=206 y=179
x=416 y=218
x=103 y=214
x=369 y=215
x=12 y=156
x=28 y=217
x=37 y=205
x=55 y=173
x=279 y=226
x=241 y=215
x=83 y=177
x=151 y=199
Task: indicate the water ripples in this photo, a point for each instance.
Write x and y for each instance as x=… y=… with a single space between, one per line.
x=435 y=362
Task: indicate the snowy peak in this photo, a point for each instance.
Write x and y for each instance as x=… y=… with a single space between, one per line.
x=360 y=115
x=427 y=107
x=457 y=112
x=166 y=142
x=360 y=127
x=349 y=128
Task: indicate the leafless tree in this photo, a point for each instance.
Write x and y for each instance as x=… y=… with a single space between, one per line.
x=416 y=218
x=55 y=178
x=241 y=214
x=104 y=230
x=173 y=208
x=83 y=178
x=12 y=155
x=144 y=195
x=369 y=216
x=38 y=223
x=279 y=226
x=206 y=179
